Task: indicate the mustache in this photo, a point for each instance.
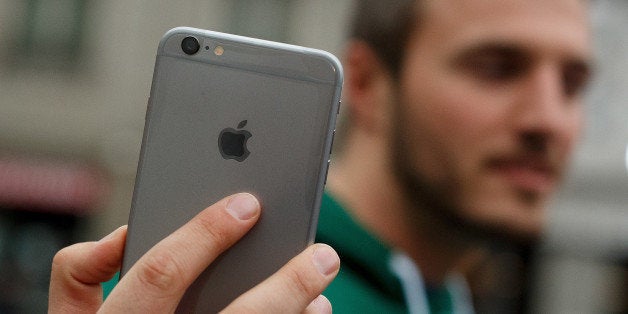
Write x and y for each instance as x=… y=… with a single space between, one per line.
x=534 y=151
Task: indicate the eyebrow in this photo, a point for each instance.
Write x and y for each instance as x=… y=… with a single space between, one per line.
x=497 y=47
x=583 y=64
x=470 y=53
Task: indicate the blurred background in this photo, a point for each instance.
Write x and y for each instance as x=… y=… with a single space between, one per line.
x=74 y=82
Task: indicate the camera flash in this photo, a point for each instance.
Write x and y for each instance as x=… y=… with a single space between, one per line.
x=219 y=50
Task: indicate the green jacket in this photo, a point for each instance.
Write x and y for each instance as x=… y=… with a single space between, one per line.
x=368 y=281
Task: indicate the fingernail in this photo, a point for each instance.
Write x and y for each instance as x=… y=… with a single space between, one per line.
x=325 y=260
x=111 y=235
x=243 y=206
x=320 y=305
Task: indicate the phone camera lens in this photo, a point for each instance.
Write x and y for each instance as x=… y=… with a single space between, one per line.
x=190 y=45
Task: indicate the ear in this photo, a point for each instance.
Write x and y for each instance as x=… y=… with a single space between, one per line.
x=368 y=87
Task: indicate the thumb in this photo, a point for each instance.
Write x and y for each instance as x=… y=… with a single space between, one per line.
x=78 y=270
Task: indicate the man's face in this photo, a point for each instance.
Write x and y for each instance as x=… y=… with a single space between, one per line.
x=489 y=106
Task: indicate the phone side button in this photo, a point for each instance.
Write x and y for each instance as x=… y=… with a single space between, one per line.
x=339 y=104
x=333 y=137
x=327 y=171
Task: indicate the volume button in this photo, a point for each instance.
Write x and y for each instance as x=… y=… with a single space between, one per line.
x=333 y=137
x=339 y=104
x=327 y=171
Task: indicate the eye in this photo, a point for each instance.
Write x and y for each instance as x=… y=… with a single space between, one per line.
x=495 y=64
x=576 y=78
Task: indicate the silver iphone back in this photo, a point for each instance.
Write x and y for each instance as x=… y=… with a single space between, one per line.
x=238 y=115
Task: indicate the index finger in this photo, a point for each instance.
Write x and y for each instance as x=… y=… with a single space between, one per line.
x=160 y=278
x=293 y=287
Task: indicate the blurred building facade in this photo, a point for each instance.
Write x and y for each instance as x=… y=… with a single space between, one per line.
x=74 y=82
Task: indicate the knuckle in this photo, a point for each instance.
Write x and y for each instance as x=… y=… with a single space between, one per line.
x=161 y=273
x=303 y=284
x=60 y=258
x=63 y=257
x=219 y=236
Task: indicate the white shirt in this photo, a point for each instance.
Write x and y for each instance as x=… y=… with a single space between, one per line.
x=414 y=287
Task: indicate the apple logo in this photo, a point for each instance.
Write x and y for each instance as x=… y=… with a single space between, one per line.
x=232 y=143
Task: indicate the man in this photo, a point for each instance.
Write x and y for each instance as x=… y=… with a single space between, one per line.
x=461 y=115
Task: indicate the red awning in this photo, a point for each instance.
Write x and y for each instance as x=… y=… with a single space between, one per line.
x=51 y=185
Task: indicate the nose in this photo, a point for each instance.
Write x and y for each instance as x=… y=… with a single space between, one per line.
x=545 y=111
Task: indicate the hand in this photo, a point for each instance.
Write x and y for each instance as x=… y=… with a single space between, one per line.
x=159 y=279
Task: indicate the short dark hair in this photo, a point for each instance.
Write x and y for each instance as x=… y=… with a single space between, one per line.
x=385 y=25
